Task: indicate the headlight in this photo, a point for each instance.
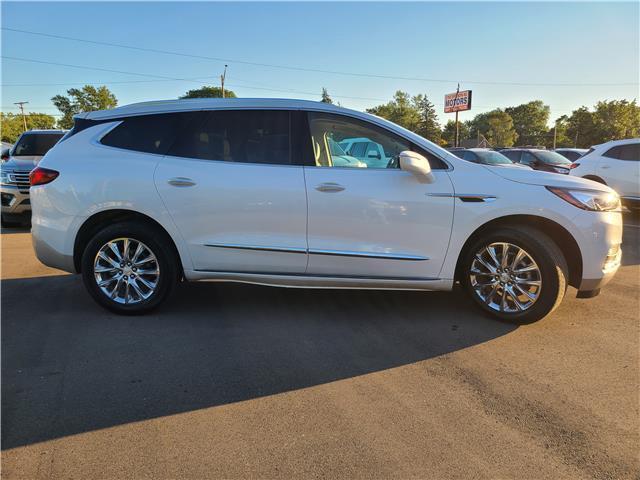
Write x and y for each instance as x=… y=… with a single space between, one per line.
x=593 y=200
x=4 y=177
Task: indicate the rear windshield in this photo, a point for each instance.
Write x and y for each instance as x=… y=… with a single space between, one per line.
x=492 y=158
x=552 y=158
x=35 y=144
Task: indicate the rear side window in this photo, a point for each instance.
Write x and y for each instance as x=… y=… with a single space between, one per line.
x=573 y=156
x=150 y=133
x=36 y=144
x=513 y=155
x=470 y=156
x=244 y=136
x=625 y=152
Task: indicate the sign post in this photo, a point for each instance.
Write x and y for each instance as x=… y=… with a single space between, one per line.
x=457 y=102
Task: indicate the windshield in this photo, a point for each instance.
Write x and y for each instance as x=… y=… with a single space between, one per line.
x=492 y=158
x=36 y=144
x=552 y=158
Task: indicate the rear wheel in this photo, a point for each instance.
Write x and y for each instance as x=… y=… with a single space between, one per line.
x=517 y=274
x=129 y=268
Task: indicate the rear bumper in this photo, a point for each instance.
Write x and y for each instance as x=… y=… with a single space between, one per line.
x=15 y=200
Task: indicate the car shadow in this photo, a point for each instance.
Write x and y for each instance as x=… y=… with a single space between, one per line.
x=70 y=367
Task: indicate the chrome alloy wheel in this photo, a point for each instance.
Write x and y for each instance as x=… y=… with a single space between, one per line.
x=126 y=270
x=505 y=277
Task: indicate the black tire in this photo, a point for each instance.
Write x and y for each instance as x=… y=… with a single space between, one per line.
x=159 y=244
x=546 y=254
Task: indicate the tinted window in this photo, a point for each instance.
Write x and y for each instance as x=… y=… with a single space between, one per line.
x=150 y=133
x=489 y=157
x=573 y=156
x=244 y=136
x=36 y=143
x=458 y=153
x=513 y=155
x=371 y=146
x=470 y=156
x=527 y=159
x=625 y=152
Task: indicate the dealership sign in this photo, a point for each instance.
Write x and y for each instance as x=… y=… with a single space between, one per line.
x=457 y=101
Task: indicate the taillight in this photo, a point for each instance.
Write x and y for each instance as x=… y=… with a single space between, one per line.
x=574 y=165
x=42 y=176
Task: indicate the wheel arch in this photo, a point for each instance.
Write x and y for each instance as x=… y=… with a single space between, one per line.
x=560 y=235
x=96 y=222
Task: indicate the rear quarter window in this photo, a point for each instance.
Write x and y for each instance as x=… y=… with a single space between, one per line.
x=150 y=133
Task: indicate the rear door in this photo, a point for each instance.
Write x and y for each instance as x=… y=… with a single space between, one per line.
x=234 y=188
x=620 y=167
x=373 y=220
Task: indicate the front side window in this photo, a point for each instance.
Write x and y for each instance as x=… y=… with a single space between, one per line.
x=513 y=155
x=243 y=136
x=35 y=144
x=362 y=145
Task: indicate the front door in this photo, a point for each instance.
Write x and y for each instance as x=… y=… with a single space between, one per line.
x=232 y=186
x=368 y=218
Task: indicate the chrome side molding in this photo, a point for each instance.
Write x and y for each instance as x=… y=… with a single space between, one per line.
x=466 y=197
x=314 y=251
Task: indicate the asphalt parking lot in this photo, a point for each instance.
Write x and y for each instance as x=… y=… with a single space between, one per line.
x=240 y=381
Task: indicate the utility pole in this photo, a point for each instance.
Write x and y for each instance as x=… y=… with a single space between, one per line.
x=24 y=119
x=457 y=124
x=222 y=77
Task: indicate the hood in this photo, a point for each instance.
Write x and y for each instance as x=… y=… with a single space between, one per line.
x=21 y=163
x=547 y=179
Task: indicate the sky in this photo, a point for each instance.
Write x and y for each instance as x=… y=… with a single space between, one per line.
x=506 y=53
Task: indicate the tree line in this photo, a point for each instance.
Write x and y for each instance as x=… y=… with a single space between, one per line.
x=525 y=124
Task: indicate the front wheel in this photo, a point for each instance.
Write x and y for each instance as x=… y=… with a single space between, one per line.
x=517 y=274
x=129 y=268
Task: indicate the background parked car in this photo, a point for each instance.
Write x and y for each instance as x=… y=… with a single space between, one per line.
x=14 y=178
x=571 y=153
x=538 y=159
x=485 y=157
x=616 y=164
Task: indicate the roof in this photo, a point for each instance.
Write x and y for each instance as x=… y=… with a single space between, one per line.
x=625 y=141
x=167 y=106
x=46 y=130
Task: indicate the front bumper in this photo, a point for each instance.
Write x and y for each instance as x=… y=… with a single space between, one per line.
x=601 y=250
x=15 y=200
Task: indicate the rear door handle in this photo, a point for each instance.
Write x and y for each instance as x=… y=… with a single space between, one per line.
x=181 y=182
x=329 y=187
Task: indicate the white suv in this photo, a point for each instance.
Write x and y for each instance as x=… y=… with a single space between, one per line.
x=617 y=164
x=247 y=190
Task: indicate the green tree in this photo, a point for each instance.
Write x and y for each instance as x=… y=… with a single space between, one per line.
x=400 y=110
x=581 y=128
x=12 y=124
x=209 y=92
x=561 y=136
x=325 y=96
x=530 y=122
x=428 y=126
x=616 y=119
x=449 y=132
x=501 y=132
x=85 y=99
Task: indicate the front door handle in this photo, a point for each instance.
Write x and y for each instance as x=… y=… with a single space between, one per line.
x=181 y=182
x=329 y=187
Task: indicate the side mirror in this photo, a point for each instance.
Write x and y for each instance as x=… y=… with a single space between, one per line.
x=417 y=164
x=5 y=154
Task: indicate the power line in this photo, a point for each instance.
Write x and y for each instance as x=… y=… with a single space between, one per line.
x=314 y=70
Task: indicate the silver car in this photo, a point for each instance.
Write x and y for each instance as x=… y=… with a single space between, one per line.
x=14 y=173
